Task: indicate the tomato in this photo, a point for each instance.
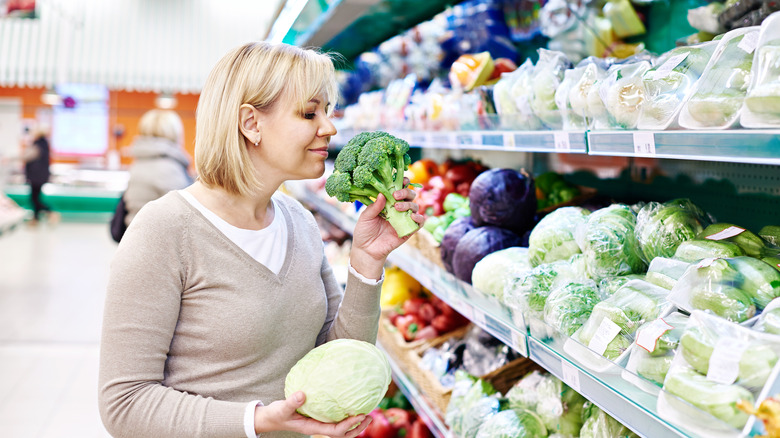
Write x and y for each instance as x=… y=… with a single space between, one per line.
x=426 y=333
x=399 y=419
x=379 y=428
x=408 y=325
x=412 y=306
x=419 y=430
x=460 y=173
x=427 y=312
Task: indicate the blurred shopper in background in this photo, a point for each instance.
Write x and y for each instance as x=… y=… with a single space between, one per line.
x=160 y=163
x=217 y=290
x=37 y=159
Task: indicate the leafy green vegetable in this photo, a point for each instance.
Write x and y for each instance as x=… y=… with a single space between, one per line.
x=568 y=307
x=610 y=245
x=692 y=251
x=512 y=424
x=769 y=321
x=341 y=378
x=665 y=272
x=599 y=424
x=552 y=239
x=609 y=285
x=467 y=392
x=559 y=407
x=654 y=368
x=524 y=394
x=761 y=281
x=497 y=268
x=479 y=412
x=528 y=291
x=770 y=233
x=764 y=96
x=714 y=398
x=751 y=244
x=661 y=228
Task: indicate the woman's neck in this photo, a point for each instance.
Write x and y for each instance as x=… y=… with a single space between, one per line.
x=247 y=212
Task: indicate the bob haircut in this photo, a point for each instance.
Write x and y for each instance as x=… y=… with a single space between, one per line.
x=162 y=123
x=259 y=74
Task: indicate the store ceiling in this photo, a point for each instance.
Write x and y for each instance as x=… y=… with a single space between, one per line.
x=141 y=45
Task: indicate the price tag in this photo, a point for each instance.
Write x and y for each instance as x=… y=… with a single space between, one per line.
x=604 y=335
x=476 y=139
x=644 y=143
x=561 y=140
x=670 y=64
x=571 y=375
x=518 y=343
x=749 y=42
x=509 y=140
x=725 y=234
x=724 y=361
x=478 y=316
x=647 y=337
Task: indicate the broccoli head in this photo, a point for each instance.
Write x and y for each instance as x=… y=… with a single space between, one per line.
x=372 y=163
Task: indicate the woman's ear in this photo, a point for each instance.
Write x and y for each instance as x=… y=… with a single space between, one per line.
x=249 y=123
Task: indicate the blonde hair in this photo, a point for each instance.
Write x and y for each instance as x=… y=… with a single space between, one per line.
x=258 y=74
x=162 y=123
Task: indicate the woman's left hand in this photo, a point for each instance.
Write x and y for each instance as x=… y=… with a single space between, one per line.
x=374 y=238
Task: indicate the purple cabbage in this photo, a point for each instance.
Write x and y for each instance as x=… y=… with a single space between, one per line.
x=478 y=243
x=504 y=198
x=451 y=237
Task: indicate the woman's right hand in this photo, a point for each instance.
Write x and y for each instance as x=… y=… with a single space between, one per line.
x=282 y=415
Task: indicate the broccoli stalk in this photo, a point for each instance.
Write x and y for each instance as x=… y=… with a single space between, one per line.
x=369 y=164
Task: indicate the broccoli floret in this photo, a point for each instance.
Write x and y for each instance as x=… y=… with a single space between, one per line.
x=372 y=163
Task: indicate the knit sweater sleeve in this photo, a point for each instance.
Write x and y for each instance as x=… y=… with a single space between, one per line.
x=141 y=312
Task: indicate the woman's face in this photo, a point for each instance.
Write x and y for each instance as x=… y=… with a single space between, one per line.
x=294 y=144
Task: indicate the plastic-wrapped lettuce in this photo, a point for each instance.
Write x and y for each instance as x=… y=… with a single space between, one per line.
x=552 y=239
x=655 y=346
x=513 y=424
x=569 y=306
x=751 y=244
x=770 y=233
x=599 y=424
x=670 y=81
x=693 y=251
x=769 y=320
x=631 y=306
x=467 y=391
x=526 y=294
x=661 y=228
x=587 y=73
x=492 y=272
x=524 y=394
x=519 y=92
x=609 y=243
x=478 y=413
x=571 y=121
x=763 y=98
x=548 y=74
x=714 y=398
x=623 y=95
x=609 y=285
x=559 y=407
x=665 y=272
x=722 y=88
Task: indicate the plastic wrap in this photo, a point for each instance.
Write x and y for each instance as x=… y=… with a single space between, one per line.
x=587 y=73
x=512 y=96
x=609 y=243
x=513 y=424
x=692 y=251
x=598 y=424
x=770 y=233
x=769 y=320
x=762 y=104
x=524 y=394
x=720 y=93
x=478 y=413
x=751 y=244
x=653 y=351
x=719 y=363
x=492 y=272
x=569 y=306
x=733 y=288
x=559 y=407
x=622 y=94
x=526 y=294
x=609 y=285
x=661 y=228
x=570 y=120
x=665 y=272
x=467 y=391
x=670 y=81
x=548 y=74
x=611 y=327
x=553 y=238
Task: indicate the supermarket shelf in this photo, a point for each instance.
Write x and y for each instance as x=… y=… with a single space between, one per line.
x=10 y=219
x=733 y=146
x=428 y=413
x=338 y=15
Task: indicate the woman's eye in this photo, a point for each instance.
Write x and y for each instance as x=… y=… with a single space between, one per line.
x=309 y=116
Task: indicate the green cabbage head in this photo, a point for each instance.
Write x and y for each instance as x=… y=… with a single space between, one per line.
x=341 y=378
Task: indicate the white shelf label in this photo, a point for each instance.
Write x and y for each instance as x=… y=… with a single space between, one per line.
x=749 y=42
x=670 y=64
x=476 y=139
x=727 y=233
x=724 y=361
x=518 y=343
x=571 y=375
x=604 y=335
x=647 y=337
x=478 y=316
x=644 y=143
x=509 y=140
x=561 y=141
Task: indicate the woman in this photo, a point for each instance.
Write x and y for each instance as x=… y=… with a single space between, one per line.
x=160 y=162
x=37 y=161
x=216 y=291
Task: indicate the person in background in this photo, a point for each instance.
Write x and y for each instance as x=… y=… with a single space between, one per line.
x=160 y=162
x=217 y=290
x=37 y=160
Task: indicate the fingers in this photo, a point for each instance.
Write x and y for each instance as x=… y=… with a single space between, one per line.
x=295 y=401
x=351 y=427
x=404 y=206
x=374 y=209
x=404 y=195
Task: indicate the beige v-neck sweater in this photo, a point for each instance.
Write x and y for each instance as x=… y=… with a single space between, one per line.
x=194 y=328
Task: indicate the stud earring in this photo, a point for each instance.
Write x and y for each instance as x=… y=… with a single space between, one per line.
x=257 y=142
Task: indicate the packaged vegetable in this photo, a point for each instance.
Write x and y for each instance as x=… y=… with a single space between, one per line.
x=559 y=407
x=570 y=120
x=587 y=74
x=548 y=74
x=569 y=306
x=609 y=285
x=512 y=424
x=553 y=238
x=751 y=244
x=769 y=320
x=479 y=412
x=770 y=233
x=523 y=117
x=622 y=94
x=665 y=272
x=599 y=424
x=721 y=91
x=621 y=315
x=653 y=351
x=524 y=394
x=492 y=272
x=609 y=243
x=763 y=99
x=466 y=392
x=692 y=251
x=661 y=228
x=670 y=81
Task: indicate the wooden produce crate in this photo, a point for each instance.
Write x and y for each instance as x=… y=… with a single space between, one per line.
x=424 y=242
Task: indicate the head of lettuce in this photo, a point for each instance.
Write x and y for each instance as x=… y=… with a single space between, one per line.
x=341 y=378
